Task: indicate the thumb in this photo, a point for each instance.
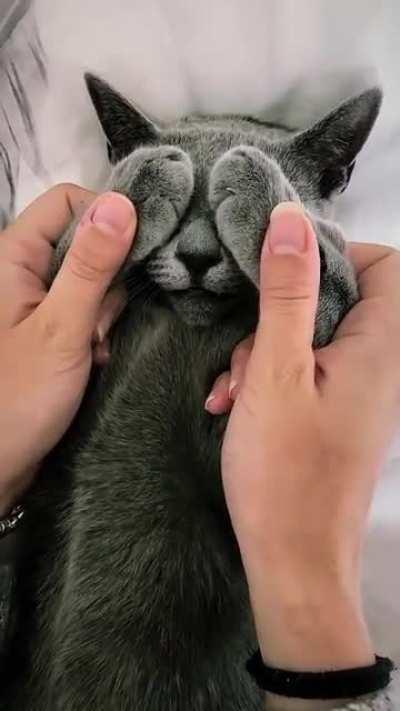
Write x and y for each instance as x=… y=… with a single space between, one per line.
x=98 y=249
x=289 y=287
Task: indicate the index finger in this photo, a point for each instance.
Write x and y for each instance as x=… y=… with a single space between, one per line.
x=377 y=268
x=366 y=254
x=51 y=213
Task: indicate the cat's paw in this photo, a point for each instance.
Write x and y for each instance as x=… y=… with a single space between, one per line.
x=338 y=283
x=245 y=185
x=159 y=181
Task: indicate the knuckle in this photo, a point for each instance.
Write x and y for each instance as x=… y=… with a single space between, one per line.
x=288 y=374
x=289 y=307
x=63 y=188
x=288 y=293
x=71 y=196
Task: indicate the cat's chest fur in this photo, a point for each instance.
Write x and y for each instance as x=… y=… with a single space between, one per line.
x=153 y=424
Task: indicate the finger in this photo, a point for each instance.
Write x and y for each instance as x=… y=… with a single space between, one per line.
x=20 y=294
x=51 y=213
x=98 y=249
x=289 y=286
x=218 y=400
x=364 y=255
x=378 y=270
x=26 y=252
x=102 y=352
x=239 y=361
x=111 y=308
x=373 y=324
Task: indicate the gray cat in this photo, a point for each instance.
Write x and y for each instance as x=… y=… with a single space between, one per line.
x=130 y=592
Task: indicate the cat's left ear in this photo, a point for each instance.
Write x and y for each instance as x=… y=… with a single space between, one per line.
x=125 y=127
x=330 y=147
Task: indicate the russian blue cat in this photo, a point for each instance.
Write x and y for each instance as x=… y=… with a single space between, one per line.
x=130 y=592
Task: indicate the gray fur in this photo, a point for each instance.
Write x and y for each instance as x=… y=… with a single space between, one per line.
x=130 y=589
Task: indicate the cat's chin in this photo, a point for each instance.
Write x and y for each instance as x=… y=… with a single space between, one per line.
x=199 y=308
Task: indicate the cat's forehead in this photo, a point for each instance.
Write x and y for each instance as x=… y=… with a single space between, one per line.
x=205 y=139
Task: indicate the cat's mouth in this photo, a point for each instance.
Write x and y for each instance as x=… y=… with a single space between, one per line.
x=197 y=306
x=198 y=292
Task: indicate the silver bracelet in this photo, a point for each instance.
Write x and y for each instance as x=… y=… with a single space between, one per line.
x=10 y=523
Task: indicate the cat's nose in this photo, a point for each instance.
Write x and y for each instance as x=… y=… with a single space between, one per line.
x=198 y=247
x=197 y=262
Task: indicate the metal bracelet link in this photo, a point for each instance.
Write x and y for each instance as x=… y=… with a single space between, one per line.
x=10 y=523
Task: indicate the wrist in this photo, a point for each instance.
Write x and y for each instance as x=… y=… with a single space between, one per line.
x=310 y=623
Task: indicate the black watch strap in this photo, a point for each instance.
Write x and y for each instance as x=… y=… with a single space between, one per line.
x=343 y=684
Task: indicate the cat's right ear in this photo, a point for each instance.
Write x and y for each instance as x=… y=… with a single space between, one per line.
x=331 y=146
x=124 y=126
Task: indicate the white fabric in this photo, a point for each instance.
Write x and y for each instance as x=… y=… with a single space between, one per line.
x=285 y=59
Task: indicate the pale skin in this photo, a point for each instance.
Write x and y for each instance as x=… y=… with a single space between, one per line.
x=308 y=429
x=46 y=337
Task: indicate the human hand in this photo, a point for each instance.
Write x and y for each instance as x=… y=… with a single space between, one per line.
x=46 y=337
x=304 y=446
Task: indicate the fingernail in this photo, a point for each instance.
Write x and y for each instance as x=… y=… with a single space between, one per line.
x=111 y=212
x=232 y=385
x=103 y=326
x=209 y=399
x=287 y=231
x=99 y=333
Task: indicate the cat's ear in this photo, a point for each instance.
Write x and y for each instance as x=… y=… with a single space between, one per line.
x=331 y=145
x=124 y=126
